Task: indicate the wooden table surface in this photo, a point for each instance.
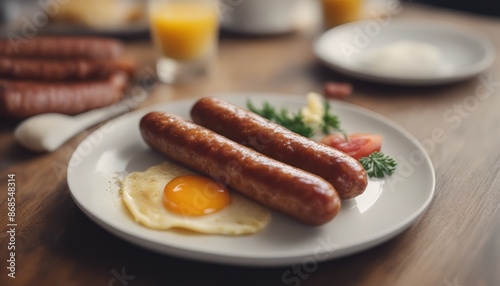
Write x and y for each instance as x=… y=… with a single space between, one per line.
x=456 y=242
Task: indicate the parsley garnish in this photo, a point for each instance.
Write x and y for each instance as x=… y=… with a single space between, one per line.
x=293 y=122
x=330 y=121
x=377 y=165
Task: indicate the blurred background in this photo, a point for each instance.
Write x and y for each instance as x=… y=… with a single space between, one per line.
x=128 y=17
x=65 y=16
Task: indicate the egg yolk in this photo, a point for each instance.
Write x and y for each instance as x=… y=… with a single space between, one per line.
x=195 y=195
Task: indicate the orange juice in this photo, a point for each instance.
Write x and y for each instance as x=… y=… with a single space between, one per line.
x=184 y=30
x=337 y=12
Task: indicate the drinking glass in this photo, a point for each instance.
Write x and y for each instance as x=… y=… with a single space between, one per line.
x=337 y=12
x=185 y=34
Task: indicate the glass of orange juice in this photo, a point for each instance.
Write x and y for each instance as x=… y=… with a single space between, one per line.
x=185 y=34
x=337 y=12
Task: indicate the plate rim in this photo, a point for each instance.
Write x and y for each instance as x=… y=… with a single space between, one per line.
x=464 y=32
x=256 y=261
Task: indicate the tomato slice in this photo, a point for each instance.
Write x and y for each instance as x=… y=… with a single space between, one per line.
x=357 y=145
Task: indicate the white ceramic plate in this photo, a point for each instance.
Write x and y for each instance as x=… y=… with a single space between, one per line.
x=383 y=211
x=463 y=53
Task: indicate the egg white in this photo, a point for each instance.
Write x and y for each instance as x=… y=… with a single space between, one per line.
x=142 y=194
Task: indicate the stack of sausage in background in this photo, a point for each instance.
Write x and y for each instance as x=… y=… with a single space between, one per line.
x=65 y=75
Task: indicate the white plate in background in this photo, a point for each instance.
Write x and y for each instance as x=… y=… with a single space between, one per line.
x=345 y=49
x=383 y=211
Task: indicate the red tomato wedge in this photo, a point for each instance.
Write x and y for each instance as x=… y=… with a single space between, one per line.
x=357 y=145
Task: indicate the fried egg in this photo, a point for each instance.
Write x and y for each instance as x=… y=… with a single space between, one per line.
x=169 y=196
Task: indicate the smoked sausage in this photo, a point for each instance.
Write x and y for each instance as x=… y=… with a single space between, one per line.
x=290 y=190
x=62 y=70
x=345 y=173
x=62 y=48
x=22 y=99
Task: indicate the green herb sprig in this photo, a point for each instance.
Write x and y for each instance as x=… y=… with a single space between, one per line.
x=331 y=122
x=293 y=122
x=378 y=165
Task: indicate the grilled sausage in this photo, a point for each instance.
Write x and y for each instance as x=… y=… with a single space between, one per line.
x=62 y=48
x=292 y=191
x=65 y=69
x=247 y=128
x=23 y=99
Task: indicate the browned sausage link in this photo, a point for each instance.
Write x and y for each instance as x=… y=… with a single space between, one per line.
x=23 y=99
x=41 y=69
x=292 y=191
x=247 y=128
x=61 y=47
